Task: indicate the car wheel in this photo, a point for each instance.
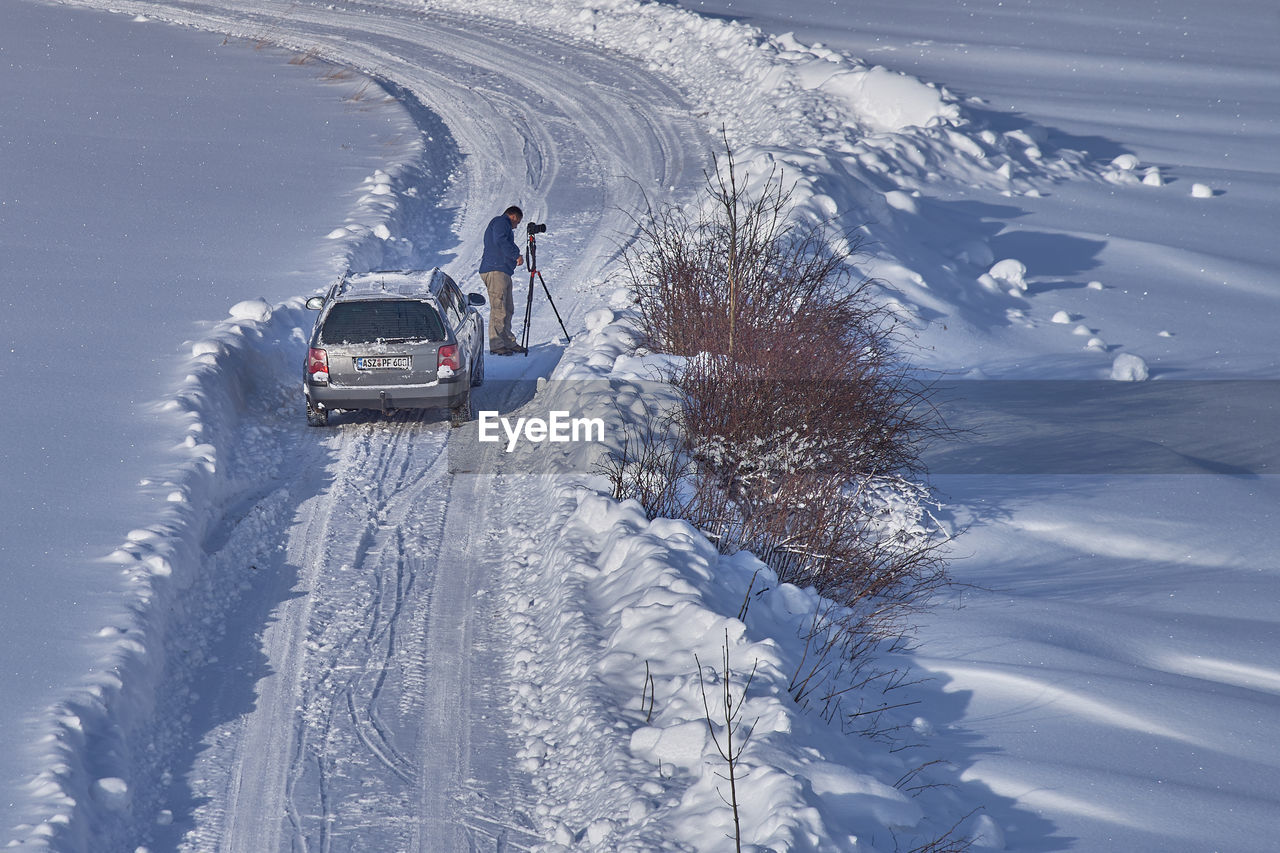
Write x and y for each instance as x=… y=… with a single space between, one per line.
x=317 y=417
x=461 y=412
x=477 y=370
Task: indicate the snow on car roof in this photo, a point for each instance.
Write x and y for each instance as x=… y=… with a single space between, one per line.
x=414 y=283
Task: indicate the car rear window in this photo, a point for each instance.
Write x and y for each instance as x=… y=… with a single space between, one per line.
x=382 y=320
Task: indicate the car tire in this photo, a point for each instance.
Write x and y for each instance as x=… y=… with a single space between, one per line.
x=477 y=370
x=461 y=411
x=317 y=417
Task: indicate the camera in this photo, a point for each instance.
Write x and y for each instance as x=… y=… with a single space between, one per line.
x=535 y=228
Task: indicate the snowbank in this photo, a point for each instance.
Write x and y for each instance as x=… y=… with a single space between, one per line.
x=108 y=749
x=615 y=616
x=868 y=149
x=123 y=726
x=818 y=111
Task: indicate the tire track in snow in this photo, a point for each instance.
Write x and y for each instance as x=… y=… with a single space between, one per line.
x=260 y=772
x=505 y=92
x=380 y=723
x=333 y=649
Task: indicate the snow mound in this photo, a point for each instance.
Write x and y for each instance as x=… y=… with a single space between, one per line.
x=1129 y=368
x=598 y=319
x=984 y=833
x=1011 y=273
x=667 y=605
x=206 y=348
x=112 y=792
x=1125 y=163
x=887 y=101
x=257 y=310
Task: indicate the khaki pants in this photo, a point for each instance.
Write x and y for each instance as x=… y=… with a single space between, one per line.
x=501 y=307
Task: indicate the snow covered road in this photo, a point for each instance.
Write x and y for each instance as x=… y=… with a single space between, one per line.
x=317 y=663
x=336 y=682
x=567 y=130
x=378 y=724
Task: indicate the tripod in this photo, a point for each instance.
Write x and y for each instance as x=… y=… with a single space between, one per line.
x=528 y=304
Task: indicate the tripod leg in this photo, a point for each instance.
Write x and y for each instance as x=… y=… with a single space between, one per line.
x=528 y=310
x=547 y=291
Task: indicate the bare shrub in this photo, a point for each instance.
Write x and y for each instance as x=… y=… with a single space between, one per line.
x=724 y=725
x=713 y=279
x=647 y=465
x=800 y=422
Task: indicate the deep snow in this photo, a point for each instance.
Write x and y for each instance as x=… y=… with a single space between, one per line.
x=1183 y=88
x=1108 y=684
x=1113 y=682
x=154 y=177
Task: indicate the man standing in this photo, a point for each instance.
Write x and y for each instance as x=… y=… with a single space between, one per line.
x=500 y=259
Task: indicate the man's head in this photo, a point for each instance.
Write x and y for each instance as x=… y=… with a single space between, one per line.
x=515 y=214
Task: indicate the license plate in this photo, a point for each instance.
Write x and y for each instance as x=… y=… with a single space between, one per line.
x=383 y=362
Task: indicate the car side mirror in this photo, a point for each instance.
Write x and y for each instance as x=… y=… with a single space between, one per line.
x=315 y=303
x=475 y=299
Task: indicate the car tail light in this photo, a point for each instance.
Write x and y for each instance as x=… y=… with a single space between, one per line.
x=317 y=365
x=449 y=357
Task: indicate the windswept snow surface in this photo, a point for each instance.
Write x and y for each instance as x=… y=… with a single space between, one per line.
x=345 y=646
x=153 y=178
x=1113 y=682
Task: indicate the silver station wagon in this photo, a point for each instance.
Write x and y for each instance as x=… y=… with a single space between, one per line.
x=391 y=340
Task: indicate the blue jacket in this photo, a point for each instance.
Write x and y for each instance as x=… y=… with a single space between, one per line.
x=500 y=251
